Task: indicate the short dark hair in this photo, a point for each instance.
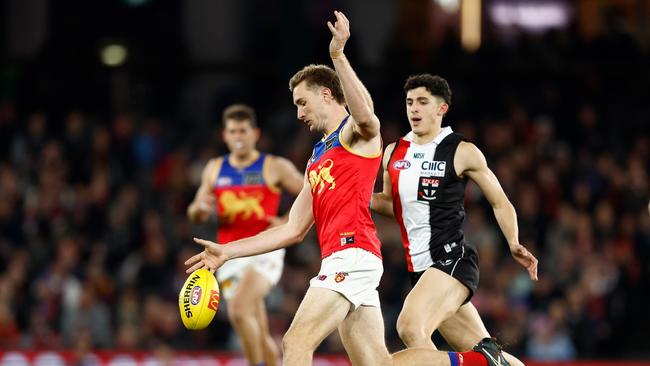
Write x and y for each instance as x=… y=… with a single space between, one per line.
x=319 y=75
x=435 y=84
x=239 y=113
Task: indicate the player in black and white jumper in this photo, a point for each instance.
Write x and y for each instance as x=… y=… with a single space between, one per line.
x=425 y=174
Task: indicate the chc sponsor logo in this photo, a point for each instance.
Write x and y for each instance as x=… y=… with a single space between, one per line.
x=434 y=168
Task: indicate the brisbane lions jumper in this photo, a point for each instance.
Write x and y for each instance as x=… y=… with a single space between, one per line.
x=244 y=199
x=428 y=202
x=342 y=182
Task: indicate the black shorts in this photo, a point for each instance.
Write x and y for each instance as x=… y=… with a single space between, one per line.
x=460 y=262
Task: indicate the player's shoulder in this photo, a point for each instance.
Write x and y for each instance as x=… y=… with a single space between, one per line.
x=212 y=168
x=214 y=162
x=468 y=148
x=276 y=161
x=469 y=155
x=388 y=152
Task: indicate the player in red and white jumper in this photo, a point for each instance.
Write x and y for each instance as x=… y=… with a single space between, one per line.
x=425 y=173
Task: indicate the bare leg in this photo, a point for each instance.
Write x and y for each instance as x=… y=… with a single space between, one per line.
x=362 y=333
x=243 y=312
x=355 y=332
x=320 y=312
x=435 y=297
x=270 y=349
x=435 y=303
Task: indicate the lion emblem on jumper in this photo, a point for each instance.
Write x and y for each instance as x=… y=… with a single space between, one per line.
x=323 y=176
x=244 y=204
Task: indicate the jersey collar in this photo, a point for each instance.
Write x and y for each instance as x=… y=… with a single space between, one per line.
x=446 y=131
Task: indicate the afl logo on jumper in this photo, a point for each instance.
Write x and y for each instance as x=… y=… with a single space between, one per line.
x=402 y=164
x=224 y=181
x=427 y=188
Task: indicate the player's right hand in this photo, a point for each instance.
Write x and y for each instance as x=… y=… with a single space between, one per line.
x=211 y=258
x=202 y=208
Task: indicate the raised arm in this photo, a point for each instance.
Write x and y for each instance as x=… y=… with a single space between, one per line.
x=204 y=202
x=301 y=218
x=470 y=162
x=356 y=95
x=382 y=202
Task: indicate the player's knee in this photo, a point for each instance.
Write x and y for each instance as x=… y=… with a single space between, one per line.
x=293 y=341
x=288 y=342
x=239 y=313
x=411 y=332
x=270 y=346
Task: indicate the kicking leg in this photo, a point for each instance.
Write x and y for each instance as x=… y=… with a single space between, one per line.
x=362 y=333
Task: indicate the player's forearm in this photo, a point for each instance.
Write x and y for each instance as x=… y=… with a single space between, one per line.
x=382 y=204
x=507 y=219
x=356 y=95
x=267 y=241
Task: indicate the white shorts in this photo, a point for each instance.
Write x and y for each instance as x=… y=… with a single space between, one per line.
x=269 y=265
x=354 y=273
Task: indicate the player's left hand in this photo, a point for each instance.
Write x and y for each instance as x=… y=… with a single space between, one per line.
x=526 y=259
x=211 y=258
x=340 y=32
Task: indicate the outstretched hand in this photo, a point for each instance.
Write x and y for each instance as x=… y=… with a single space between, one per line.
x=526 y=259
x=211 y=258
x=340 y=32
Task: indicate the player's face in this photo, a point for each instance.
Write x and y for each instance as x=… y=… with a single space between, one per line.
x=240 y=136
x=309 y=105
x=422 y=109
